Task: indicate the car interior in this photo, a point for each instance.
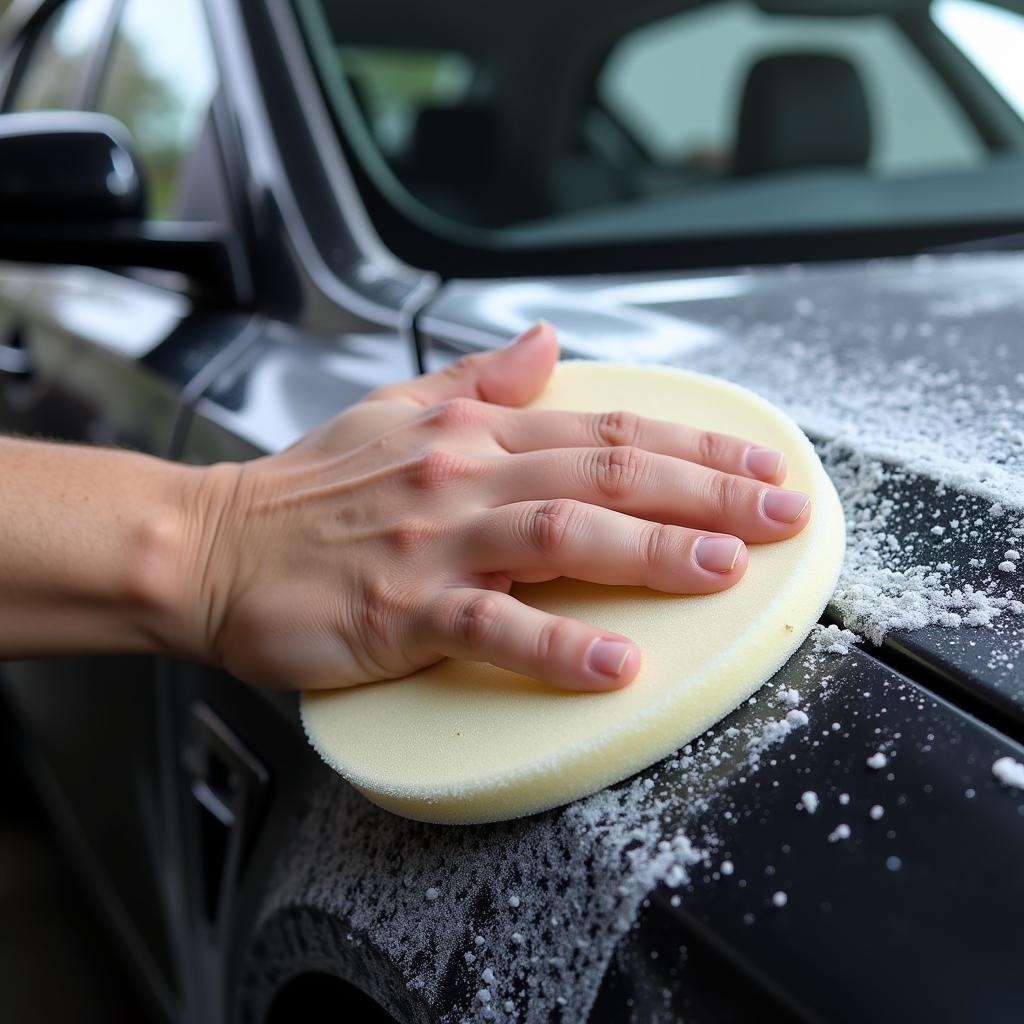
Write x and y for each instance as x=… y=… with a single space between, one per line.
x=595 y=122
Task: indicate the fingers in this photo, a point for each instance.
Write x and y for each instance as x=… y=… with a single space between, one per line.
x=481 y=625
x=541 y=540
x=535 y=429
x=655 y=487
x=510 y=376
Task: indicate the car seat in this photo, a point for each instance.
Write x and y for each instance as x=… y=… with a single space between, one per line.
x=802 y=110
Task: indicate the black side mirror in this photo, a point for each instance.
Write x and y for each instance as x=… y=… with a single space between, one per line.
x=68 y=164
x=71 y=192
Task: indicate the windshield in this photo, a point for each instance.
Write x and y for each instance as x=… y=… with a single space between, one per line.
x=522 y=126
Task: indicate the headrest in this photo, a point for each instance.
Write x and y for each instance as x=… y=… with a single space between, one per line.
x=802 y=110
x=453 y=141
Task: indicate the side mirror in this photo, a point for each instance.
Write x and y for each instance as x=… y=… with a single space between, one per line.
x=71 y=192
x=67 y=164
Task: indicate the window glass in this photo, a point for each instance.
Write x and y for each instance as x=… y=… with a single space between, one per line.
x=392 y=86
x=160 y=81
x=52 y=79
x=527 y=124
x=678 y=84
x=993 y=38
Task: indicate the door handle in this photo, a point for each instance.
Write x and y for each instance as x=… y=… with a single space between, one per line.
x=228 y=786
x=15 y=358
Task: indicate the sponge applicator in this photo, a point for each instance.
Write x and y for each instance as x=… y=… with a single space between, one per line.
x=465 y=742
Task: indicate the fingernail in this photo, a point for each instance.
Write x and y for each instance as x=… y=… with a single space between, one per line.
x=608 y=657
x=763 y=462
x=717 y=554
x=531 y=333
x=784 y=506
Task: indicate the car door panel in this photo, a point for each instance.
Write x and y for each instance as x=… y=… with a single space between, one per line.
x=109 y=358
x=284 y=382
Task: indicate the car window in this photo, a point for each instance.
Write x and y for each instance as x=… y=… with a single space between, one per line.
x=993 y=38
x=529 y=125
x=160 y=80
x=677 y=85
x=392 y=87
x=52 y=78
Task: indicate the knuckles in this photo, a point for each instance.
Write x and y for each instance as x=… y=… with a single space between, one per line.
x=724 y=493
x=620 y=472
x=618 y=428
x=474 y=621
x=457 y=414
x=381 y=608
x=713 y=449
x=409 y=536
x=549 y=524
x=554 y=636
x=464 y=366
x=436 y=468
x=662 y=545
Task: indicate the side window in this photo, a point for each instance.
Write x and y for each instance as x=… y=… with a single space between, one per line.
x=59 y=55
x=677 y=84
x=160 y=80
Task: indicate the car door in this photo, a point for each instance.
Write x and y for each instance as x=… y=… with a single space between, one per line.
x=102 y=357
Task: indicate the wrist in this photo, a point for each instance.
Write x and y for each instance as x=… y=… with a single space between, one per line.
x=170 y=584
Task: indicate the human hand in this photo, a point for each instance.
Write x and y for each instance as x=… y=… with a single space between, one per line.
x=390 y=537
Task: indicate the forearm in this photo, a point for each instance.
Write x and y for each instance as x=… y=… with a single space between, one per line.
x=92 y=550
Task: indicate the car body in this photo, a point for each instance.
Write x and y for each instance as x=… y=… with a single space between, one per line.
x=246 y=880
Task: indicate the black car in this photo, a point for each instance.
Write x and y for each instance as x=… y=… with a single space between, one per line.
x=223 y=221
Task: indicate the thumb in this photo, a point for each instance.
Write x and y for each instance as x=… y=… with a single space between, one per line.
x=510 y=376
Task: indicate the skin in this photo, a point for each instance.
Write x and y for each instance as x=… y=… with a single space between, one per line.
x=385 y=540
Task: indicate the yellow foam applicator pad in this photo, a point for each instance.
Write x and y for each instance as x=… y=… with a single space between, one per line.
x=465 y=742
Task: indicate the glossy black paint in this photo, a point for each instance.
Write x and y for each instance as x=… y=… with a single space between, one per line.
x=56 y=165
x=123 y=747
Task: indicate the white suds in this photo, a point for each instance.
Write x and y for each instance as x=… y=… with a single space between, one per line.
x=877 y=760
x=809 y=801
x=840 y=832
x=1007 y=566
x=833 y=640
x=884 y=446
x=1009 y=772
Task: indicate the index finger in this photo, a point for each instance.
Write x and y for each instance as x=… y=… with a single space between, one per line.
x=525 y=430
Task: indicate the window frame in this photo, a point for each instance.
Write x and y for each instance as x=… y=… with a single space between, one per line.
x=27 y=38
x=98 y=79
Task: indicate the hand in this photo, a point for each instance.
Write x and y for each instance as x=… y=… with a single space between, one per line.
x=389 y=538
